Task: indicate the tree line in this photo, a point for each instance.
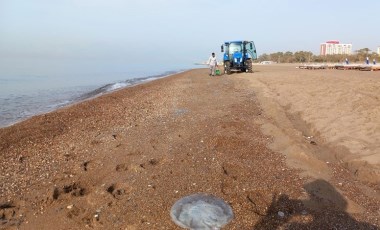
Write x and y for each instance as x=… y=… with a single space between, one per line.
x=307 y=56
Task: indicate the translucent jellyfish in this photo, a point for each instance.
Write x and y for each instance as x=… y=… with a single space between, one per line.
x=201 y=212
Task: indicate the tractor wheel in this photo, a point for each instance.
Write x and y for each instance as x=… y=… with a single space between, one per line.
x=249 y=66
x=227 y=68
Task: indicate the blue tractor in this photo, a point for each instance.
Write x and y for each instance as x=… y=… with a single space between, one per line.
x=238 y=55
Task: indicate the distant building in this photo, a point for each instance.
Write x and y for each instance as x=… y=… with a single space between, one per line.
x=334 y=47
x=378 y=50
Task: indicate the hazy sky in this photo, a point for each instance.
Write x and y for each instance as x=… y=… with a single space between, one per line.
x=101 y=36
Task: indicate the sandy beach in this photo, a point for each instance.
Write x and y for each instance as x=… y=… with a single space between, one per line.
x=286 y=148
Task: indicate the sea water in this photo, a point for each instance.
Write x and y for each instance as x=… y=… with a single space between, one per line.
x=22 y=97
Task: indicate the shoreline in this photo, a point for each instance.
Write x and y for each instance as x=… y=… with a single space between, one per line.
x=67 y=99
x=112 y=156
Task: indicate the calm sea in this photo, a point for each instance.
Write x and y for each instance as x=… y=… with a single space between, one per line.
x=24 y=96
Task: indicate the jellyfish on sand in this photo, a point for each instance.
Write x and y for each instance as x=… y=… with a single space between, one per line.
x=201 y=211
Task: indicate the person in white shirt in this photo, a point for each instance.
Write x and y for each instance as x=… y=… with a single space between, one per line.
x=213 y=63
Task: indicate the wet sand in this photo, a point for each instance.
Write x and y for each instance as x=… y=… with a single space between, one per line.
x=120 y=161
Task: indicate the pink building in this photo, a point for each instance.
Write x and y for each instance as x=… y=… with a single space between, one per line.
x=334 y=47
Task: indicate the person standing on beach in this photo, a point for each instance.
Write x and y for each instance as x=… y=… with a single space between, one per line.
x=213 y=63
